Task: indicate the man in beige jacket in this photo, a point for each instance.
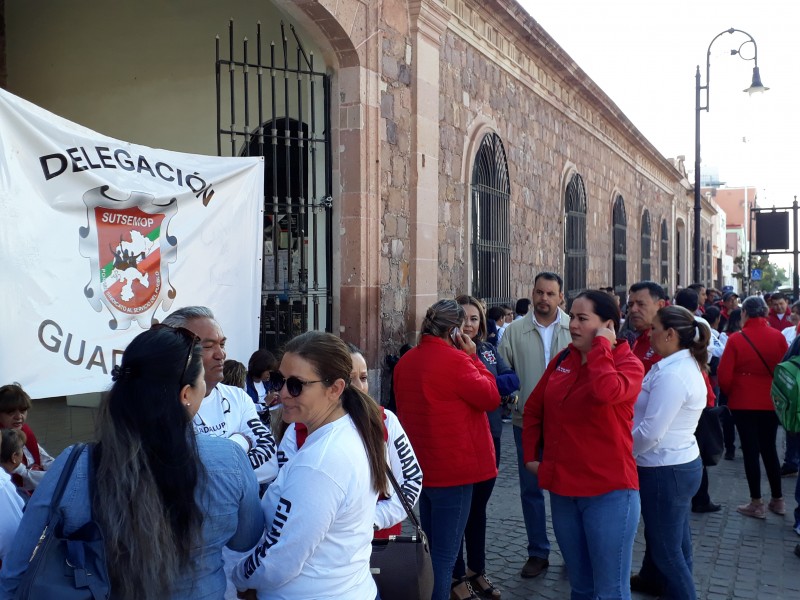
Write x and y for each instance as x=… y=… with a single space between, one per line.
x=528 y=345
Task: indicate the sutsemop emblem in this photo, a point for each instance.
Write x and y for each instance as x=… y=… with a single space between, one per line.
x=129 y=249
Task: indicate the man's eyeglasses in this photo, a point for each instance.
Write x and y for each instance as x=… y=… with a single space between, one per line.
x=293 y=385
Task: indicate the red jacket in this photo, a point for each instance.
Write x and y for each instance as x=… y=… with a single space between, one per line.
x=742 y=375
x=442 y=396
x=780 y=324
x=584 y=413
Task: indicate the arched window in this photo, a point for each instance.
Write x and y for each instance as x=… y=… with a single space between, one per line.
x=491 y=248
x=620 y=246
x=664 y=253
x=646 y=241
x=575 y=237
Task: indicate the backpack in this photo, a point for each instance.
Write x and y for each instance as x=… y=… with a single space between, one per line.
x=786 y=393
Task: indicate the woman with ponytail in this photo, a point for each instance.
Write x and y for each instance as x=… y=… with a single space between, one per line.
x=667 y=457
x=166 y=501
x=443 y=392
x=320 y=508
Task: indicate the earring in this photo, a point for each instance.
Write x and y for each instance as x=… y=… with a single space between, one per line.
x=188 y=404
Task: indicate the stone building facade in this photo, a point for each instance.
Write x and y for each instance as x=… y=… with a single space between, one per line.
x=416 y=86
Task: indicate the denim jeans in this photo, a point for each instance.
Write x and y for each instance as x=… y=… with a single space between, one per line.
x=595 y=534
x=792 y=455
x=666 y=500
x=475 y=531
x=533 y=510
x=443 y=515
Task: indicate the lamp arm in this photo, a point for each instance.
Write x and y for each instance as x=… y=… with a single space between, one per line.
x=708 y=59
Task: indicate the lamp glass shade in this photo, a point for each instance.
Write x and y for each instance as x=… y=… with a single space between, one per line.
x=756 y=86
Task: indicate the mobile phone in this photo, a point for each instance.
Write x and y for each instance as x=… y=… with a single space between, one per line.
x=455 y=334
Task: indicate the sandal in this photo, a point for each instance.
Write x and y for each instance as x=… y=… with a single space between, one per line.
x=483 y=586
x=461 y=589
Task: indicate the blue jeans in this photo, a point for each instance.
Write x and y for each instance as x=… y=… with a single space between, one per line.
x=443 y=515
x=475 y=531
x=533 y=510
x=792 y=455
x=666 y=501
x=595 y=534
x=797 y=499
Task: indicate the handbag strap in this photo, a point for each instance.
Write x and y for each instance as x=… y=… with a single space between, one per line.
x=759 y=354
x=64 y=478
x=412 y=517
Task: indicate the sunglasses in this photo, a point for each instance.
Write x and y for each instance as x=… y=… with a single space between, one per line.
x=189 y=336
x=293 y=385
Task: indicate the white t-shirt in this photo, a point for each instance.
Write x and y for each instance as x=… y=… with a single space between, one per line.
x=32 y=477
x=11 y=505
x=228 y=411
x=789 y=333
x=319 y=512
x=666 y=413
x=402 y=461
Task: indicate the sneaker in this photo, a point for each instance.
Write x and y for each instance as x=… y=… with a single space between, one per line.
x=757 y=510
x=788 y=470
x=778 y=506
x=534 y=567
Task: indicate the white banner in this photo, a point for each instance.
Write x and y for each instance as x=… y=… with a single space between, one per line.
x=99 y=238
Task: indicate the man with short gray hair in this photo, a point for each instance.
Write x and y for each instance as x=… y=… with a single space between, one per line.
x=226 y=411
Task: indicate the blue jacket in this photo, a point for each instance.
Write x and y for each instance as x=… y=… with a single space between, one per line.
x=227 y=496
x=506 y=378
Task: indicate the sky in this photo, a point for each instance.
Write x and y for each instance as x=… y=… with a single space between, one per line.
x=644 y=53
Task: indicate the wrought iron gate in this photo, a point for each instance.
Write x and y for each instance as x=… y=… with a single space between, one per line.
x=279 y=108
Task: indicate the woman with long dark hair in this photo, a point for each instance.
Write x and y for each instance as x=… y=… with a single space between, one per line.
x=321 y=506
x=580 y=412
x=668 y=460
x=443 y=391
x=166 y=500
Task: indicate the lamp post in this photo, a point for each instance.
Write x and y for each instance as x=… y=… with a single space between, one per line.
x=755 y=86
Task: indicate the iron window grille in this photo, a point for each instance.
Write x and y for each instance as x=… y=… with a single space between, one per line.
x=491 y=248
x=620 y=246
x=279 y=108
x=575 y=237
x=664 y=253
x=646 y=242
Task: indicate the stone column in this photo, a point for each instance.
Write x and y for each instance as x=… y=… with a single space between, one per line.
x=429 y=20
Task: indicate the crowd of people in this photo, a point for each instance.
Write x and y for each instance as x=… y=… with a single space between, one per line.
x=270 y=480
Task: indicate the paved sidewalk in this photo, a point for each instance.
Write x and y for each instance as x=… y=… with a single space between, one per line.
x=734 y=556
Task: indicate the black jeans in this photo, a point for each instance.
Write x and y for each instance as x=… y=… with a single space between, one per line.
x=475 y=531
x=758 y=430
x=728 y=430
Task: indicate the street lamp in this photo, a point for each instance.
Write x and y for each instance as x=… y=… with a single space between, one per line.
x=755 y=86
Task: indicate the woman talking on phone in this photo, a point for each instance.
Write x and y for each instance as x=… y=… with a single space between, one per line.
x=443 y=391
x=581 y=411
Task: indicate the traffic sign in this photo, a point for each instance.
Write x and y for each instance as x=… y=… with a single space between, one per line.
x=755 y=274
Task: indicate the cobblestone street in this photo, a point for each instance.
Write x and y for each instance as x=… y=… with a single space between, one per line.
x=734 y=556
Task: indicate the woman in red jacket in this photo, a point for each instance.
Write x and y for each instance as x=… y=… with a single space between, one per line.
x=582 y=412
x=745 y=377
x=443 y=391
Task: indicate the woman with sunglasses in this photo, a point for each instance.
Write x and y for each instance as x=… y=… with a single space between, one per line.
x=389 y=514
x=320 y=508
x=167 y=500
x=443 y=392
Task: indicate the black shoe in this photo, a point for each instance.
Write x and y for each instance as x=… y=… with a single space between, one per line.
x=797 y=550
x=788 y=470
x=643 y=586
x=729 y=454
x=706 y=508
x=534 y=567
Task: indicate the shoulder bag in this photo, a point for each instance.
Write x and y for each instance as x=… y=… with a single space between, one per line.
x=67 y=567
x=401 y=565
